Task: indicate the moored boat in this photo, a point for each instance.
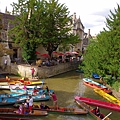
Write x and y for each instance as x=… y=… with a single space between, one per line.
x=99 y=103
x=96 y=76
x=36 y=98
x=60 y=110
x=93 y=82
x=11 y=118
x=97 y=86
x=12 y=112
x=90 y=110
x=10 y=100
x=110 y=98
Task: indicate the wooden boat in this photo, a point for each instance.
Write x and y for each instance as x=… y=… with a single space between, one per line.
x=11 y=118
x=60 y=110
x=12 y=112
x=10 y=100
x=17 y=79
x=89 y=109
x=97 y=86
x=99 y=103
x=93 y=82
x=96 y=76
x=110 y=98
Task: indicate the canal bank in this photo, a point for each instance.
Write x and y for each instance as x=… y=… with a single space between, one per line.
x=24 y=70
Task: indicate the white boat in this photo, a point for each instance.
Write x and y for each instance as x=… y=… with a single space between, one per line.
x=17 y=86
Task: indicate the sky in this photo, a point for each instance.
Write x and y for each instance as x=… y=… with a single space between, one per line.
x=93 y=13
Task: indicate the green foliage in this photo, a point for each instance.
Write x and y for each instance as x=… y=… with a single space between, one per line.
x=116 y=85
x=41 y=22
x=103 y=54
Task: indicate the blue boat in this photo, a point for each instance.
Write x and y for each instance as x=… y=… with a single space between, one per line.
x=10 y=100
x=36 y=98
x=28 y=91
x=90 y=80
x=10 y=95
x=96 y=76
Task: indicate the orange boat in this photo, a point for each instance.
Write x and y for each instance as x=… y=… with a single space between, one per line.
x=97 y=86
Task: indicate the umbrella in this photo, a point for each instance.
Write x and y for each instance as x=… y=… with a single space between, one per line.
x=54 y=52
x=60 y=54
x=45 y=55
x=75 y=53
x=68 y=53
x=37 y=52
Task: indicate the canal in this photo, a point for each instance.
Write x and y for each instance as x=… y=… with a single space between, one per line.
x=66 y=87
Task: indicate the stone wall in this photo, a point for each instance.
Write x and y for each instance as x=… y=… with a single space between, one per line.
x=44 y=71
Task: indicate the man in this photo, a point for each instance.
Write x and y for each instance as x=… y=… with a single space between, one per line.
x=30 y=103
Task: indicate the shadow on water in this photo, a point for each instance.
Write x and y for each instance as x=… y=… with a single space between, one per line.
x=66 y=87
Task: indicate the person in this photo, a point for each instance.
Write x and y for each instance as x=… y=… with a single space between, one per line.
x=54 y=97
x=21 y=109
x=30 y=103
x=26 y=104
x=35 y=90
x=43 y=106
x=46 y=91
x=5 y=64
x=3 y=100
x=96 y=111
x=32 y=72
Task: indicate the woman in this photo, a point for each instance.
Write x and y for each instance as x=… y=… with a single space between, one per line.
x=54 y=97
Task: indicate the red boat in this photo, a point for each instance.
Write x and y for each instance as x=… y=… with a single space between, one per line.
x=99 y=103
x=97 y=86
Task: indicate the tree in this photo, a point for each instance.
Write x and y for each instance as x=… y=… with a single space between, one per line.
x=41 y=22
x=103 y=55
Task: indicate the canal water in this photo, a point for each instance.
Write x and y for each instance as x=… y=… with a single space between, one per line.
x=66 y=87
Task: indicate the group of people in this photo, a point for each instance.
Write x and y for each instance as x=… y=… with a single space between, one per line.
x=29 y=103
x=24 y=107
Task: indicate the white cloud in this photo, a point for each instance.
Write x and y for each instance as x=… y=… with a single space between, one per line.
x=91 y=12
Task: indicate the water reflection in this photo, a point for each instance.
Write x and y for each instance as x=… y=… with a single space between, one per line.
x=66 y=86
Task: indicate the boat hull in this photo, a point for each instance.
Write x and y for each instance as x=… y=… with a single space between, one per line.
x=60 y=110
x=99 y=103
x=97 y=86
x=88 y=108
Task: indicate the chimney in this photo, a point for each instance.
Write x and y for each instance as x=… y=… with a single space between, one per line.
x=88 y=32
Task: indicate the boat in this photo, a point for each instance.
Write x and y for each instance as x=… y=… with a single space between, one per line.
x=100 y=103
x=10 y=100
x=60 y=110
x=96 y=76
x=12 y=112
x=26 y=82
x=17 y=79
x=18 y=86
x=79 y=71
x=29 y=91
x=10 y=95
x=93 y=82
x=11 y=118
x=96 y=86
x=109 y=97
x=90 y=109
x=36 y=98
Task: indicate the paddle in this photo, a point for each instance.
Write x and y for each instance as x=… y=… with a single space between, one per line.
x=107 y=116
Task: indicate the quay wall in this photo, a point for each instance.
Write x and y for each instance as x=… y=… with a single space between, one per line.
x=45 y=71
